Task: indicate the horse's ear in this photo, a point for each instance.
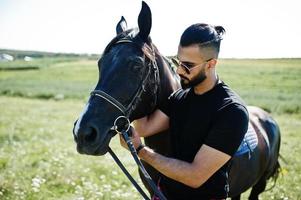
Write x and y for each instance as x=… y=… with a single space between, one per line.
x=121 y=25
x=144 y=21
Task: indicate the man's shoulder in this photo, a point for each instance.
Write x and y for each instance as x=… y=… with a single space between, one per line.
x=230 y=98
x=178 y=94
x=234 y=109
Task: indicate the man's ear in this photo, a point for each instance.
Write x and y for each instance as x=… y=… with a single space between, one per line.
x=121 y=26
x=212 y=63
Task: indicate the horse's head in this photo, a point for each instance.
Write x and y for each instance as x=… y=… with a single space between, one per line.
x=127 y=86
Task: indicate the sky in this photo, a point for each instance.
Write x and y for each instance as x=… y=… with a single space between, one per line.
x=254 y=28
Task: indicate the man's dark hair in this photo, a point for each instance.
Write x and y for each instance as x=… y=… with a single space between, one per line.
x=205 y=35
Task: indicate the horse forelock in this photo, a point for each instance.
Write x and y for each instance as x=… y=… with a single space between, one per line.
x=120 y=36
x=129 y=35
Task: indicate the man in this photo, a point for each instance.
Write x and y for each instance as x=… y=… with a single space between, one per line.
x=207 y=122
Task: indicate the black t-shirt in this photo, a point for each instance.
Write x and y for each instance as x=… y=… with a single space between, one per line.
x=217 y=118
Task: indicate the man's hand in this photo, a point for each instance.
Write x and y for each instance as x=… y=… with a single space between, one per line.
x=134 y=138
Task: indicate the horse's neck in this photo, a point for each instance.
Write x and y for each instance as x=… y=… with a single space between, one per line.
x=169 y=81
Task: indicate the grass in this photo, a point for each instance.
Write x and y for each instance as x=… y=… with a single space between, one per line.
x=38 y=159
x=274 y=84
x=36 y=63
x=72 y=79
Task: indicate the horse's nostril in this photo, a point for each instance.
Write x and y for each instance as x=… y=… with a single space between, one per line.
x=91 y=135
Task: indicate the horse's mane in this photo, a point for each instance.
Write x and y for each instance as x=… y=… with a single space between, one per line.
x=170 y=65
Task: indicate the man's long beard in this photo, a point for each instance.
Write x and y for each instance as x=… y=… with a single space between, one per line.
x=195 y=81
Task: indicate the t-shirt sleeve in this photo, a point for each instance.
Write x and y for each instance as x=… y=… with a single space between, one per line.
x=229 y=129
x=166 y=104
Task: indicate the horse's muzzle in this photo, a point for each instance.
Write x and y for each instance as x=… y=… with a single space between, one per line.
x=89 y=140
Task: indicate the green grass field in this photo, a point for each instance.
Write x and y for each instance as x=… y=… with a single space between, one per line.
x=38 y=159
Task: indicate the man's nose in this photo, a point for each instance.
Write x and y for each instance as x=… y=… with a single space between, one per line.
x=180 y=71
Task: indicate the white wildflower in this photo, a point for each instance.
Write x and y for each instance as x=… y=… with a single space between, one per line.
x=36 y=183
x=102 y=177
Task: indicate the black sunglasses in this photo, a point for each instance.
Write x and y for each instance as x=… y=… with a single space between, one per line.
x=186 y=67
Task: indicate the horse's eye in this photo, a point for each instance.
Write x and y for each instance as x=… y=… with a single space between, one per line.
x=136 y=67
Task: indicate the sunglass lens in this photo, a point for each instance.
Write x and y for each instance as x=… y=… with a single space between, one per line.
x=178 y=64
x=175 y=62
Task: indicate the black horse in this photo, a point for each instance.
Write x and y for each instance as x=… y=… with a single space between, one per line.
x=134 y=81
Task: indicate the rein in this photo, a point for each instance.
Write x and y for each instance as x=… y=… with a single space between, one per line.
x=122 y=123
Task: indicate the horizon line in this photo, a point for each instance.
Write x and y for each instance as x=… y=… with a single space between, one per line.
x=99 y=54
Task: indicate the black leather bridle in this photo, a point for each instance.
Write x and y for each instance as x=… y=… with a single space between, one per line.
x=152 y=67
x=122 y=123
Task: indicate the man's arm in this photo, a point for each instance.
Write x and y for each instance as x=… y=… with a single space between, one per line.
x=206 y=162
x=222 y=142
x=152 y=124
